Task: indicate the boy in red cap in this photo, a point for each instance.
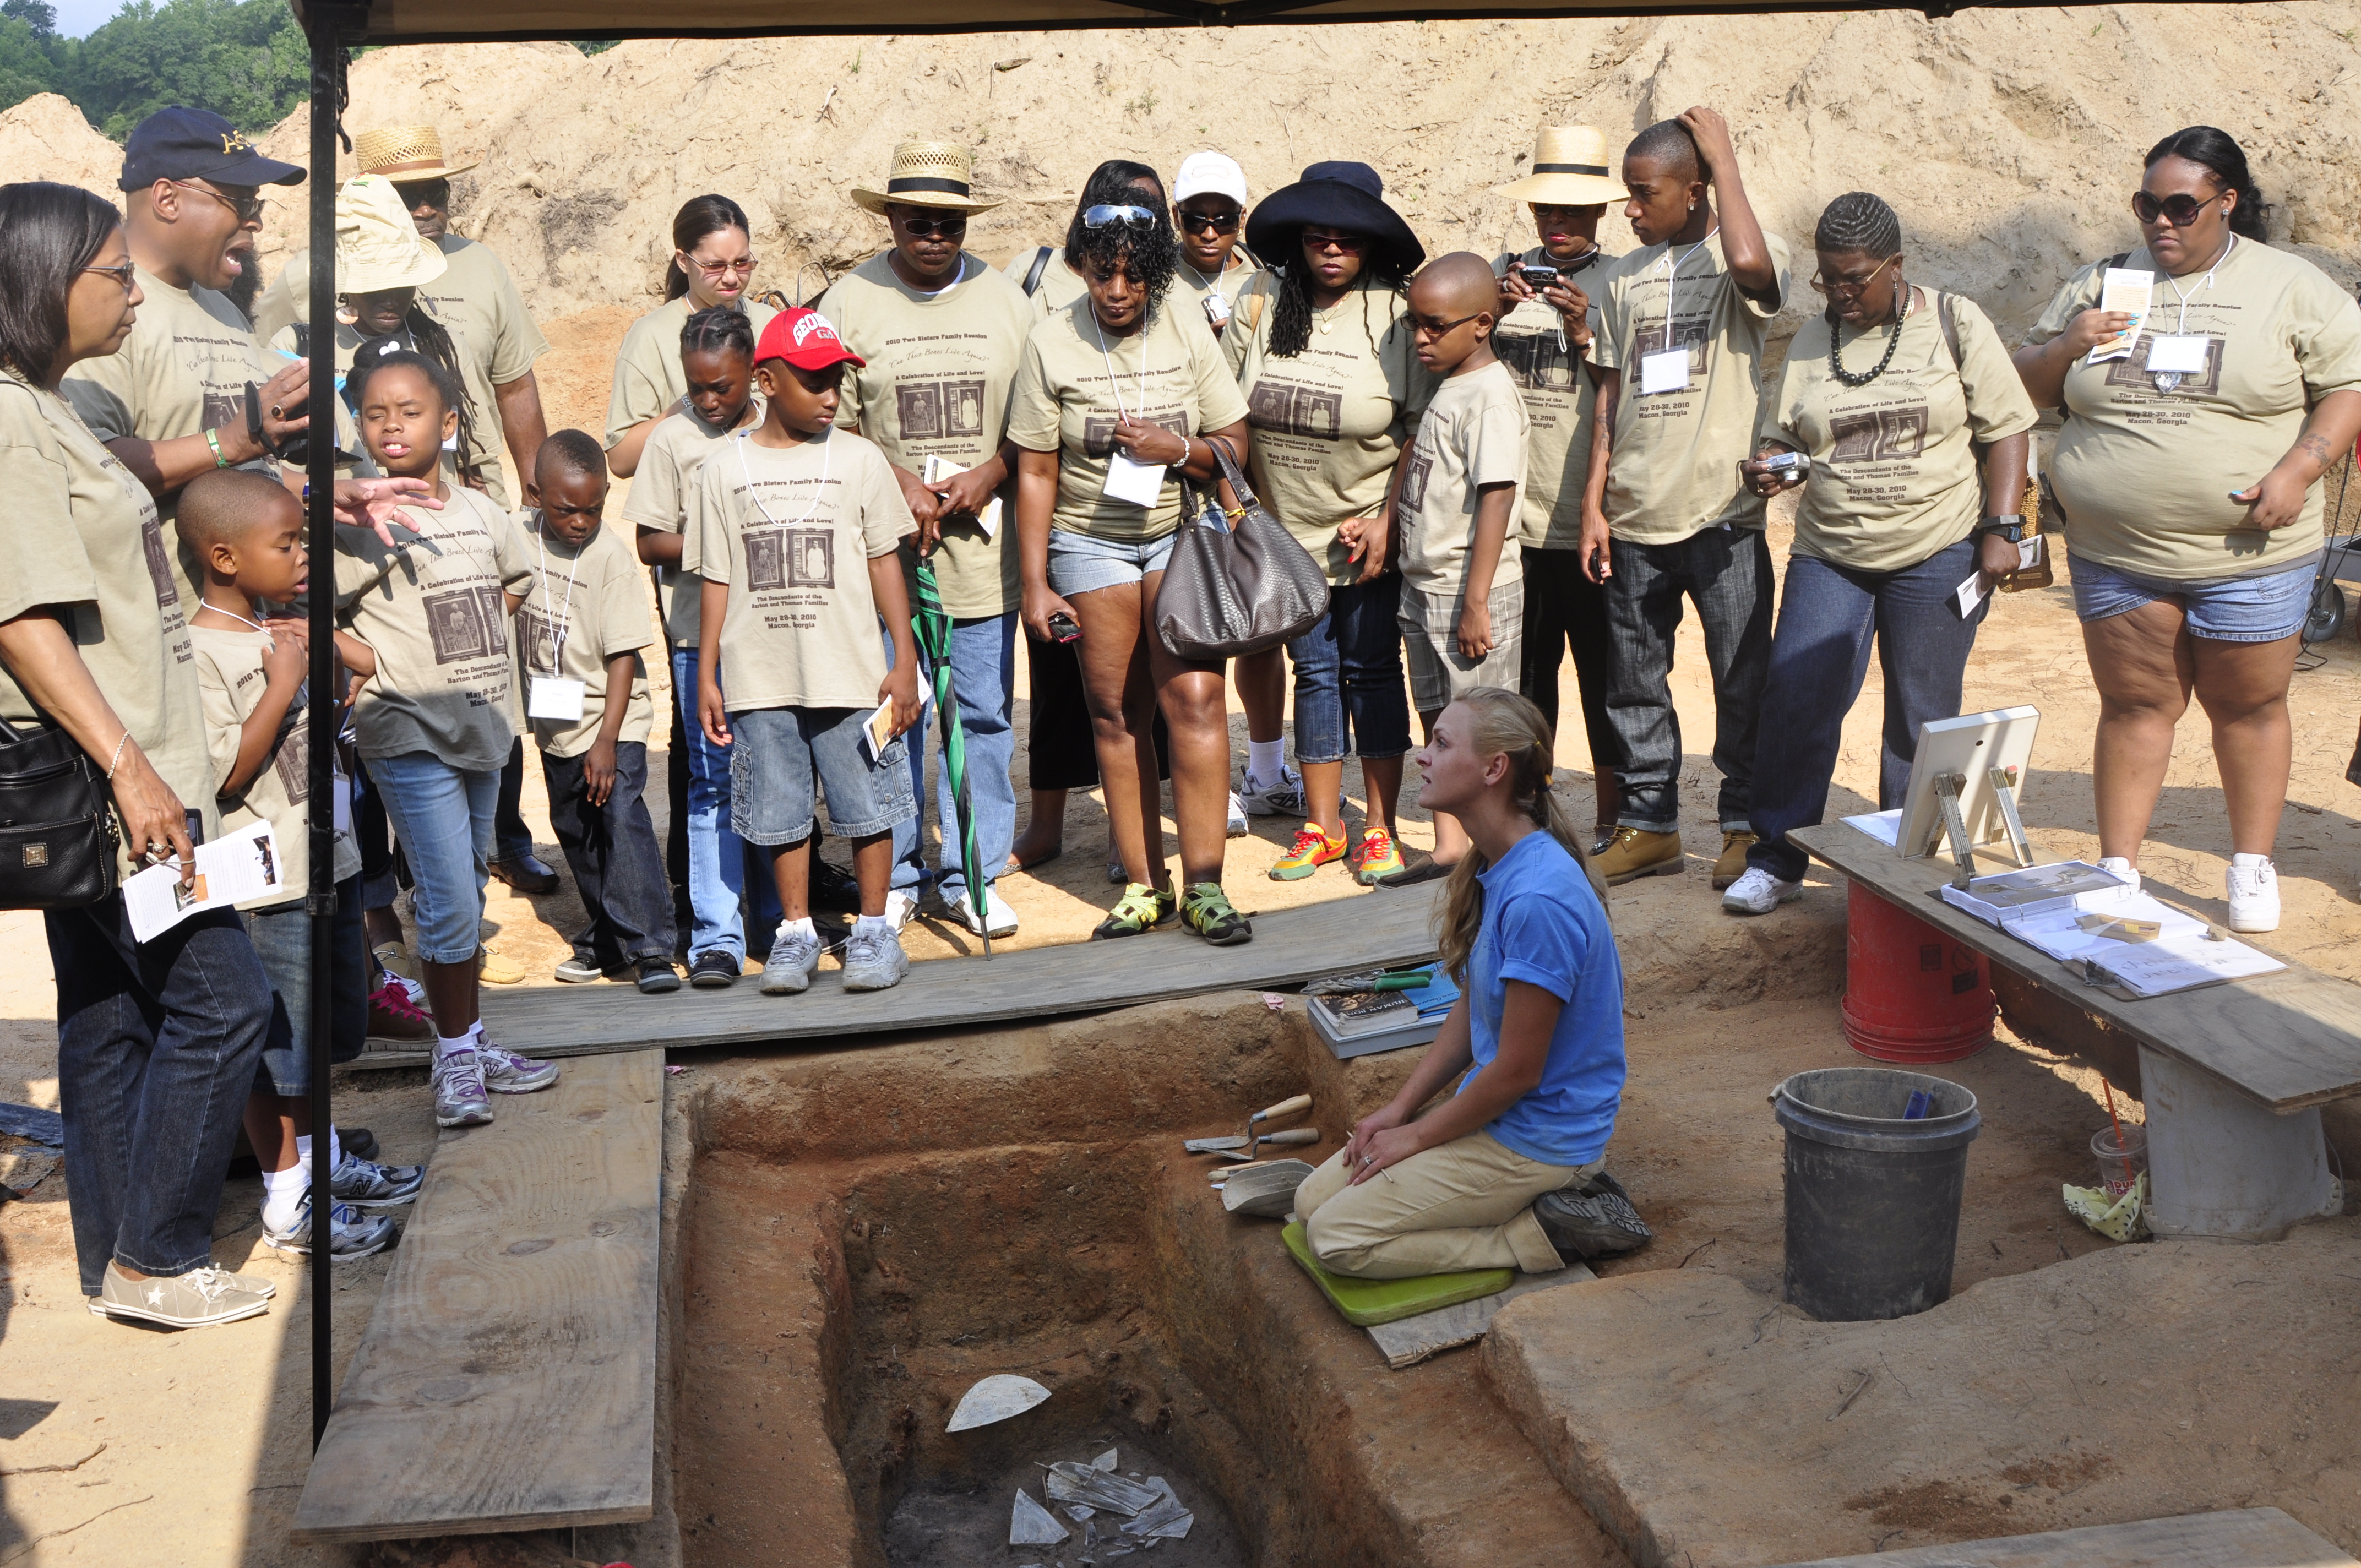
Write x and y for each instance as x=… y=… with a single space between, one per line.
x=794 y=527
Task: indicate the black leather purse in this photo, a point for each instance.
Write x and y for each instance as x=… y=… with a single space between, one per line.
x=57 y=836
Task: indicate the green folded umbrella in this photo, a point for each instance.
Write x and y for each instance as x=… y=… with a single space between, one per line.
x=932 y=626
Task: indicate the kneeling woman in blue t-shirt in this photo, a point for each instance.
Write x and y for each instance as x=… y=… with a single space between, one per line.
x=1510 y=1171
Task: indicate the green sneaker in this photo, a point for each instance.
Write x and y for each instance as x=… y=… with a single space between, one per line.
x=1207 y=911
x=1141 y=909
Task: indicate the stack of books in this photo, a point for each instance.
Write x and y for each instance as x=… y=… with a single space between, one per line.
x=1360 y=1024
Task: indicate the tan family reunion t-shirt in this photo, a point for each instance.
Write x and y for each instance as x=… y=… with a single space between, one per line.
x=792 y=532
x=1058 y=287
x=432 y=611
x=1191 y=289
x=649 y=382
x=2143 y=474
x=230 y=677
x=1329 y=424
x=182 y=371
x=1674 y=470
x=1559 y=394
x=585 y=607
x=1894 y=476
x=937 y=383
x=80 y=532
x=1072 y=382
x=659 y=498
x=1474 y=434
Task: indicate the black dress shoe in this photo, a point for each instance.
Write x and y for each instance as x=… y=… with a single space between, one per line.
x=712 y=969
x=526 y=873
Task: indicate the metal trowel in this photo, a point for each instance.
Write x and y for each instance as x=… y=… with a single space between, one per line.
x=1290 y=1107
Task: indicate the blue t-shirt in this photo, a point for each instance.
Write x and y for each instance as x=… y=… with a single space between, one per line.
x=1543 y=924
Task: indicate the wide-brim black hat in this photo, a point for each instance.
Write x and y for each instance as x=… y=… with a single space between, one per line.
x=1348 y=196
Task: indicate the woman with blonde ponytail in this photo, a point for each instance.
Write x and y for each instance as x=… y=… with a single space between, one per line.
x=1510 y=1172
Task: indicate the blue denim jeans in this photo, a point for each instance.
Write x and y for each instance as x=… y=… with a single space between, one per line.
x=611 y=850
x=156 y=1047
x=1819 y=656
x=1349 y=677
x=442 y=816
x=716 y=856
x=983 y=682
x=282 y=940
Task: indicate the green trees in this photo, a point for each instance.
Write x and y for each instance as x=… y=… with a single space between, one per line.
x=245 y=59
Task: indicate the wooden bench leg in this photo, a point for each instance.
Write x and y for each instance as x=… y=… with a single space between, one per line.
x=2220 y=1165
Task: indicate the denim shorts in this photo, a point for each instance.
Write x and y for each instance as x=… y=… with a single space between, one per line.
x=776 y=755
x=283 y=939
x=1081 y=562
x=442 y=816
x=2260 y=607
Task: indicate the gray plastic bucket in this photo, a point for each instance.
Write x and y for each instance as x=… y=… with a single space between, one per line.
x=1872 y=1199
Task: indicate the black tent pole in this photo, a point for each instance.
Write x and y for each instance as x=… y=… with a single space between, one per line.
x=330 y=25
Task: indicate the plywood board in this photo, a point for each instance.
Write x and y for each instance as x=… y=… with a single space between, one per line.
x=2290 y=1039
x=1406 y=1341
x=2242 y=1538
x=507 y=1379
x=1359 y=931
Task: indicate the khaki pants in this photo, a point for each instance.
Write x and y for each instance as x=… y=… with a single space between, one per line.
x=1467 y=1204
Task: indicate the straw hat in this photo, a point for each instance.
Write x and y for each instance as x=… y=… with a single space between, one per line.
x=377 y=247
x=408 y=153
x=1570 y=169
x=928 y=174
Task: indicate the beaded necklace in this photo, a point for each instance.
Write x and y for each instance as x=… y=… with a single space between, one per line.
x=1893 y=339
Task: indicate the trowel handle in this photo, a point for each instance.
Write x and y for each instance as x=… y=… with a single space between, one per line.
x=1293 y=1135
x=1295 y=1107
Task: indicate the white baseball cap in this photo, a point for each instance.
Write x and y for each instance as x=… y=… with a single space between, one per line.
x=1210 y=174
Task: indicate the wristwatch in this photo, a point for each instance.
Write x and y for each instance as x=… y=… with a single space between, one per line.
x=2009 y=526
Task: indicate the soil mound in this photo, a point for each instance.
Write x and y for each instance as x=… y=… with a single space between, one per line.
x=45 y=137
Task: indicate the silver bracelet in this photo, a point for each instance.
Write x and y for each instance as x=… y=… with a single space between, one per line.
x=118 y=760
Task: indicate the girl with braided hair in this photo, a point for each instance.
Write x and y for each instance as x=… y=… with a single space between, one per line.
x=1916 y=429
x=1510 y=1171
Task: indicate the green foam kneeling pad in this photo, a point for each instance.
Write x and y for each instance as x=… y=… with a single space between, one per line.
x=1365 y=1303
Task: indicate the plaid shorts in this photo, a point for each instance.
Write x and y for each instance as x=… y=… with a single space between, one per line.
x=1439 y=673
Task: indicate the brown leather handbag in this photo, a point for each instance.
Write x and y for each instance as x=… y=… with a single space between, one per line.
x=1236 y=589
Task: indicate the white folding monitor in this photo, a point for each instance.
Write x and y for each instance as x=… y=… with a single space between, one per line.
x=1969 y=747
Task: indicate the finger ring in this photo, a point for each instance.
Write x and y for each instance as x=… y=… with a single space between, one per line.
x=277 y=412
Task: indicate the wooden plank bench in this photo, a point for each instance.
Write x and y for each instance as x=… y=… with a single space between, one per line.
x=2232 y=1076
x=508 y=1377
x=2241 y=1538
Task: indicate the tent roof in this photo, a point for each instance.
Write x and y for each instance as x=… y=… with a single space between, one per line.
x=455 y=21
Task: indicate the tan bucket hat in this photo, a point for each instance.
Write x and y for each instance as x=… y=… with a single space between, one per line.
x=377 y=247
x=407 y=153
x=1570 y=169
x=928 y=174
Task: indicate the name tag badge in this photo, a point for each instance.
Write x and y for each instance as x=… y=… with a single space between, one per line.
x=1664 y=372
x=552 y=697
x=2181 y=354
x=1138 y=483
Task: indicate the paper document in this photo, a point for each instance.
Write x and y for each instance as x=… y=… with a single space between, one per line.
x=2129 y=289
x=1970 y=594
x=229 y=871
x=877 y=733
x=1885 y=827
x=2139 y=946
x=2011 y=896
x=939 y=470
x=1141 y=483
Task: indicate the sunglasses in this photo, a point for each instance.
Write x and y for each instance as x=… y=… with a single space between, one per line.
x=1422 y=327
x=1349 y=243
x=1224 y=223
x=417 y=194
x=930 y=228
x=743 y=266
x=2179 y=210
x=248 y=208
x=1129 y=218
x=120 y=274
x=1849 y=287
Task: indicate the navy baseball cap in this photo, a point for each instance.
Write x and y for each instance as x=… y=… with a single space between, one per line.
x=194 y=144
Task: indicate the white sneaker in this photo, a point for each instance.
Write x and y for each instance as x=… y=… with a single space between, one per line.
x=1237 y=817
x=874 y=961
x=2254 y=897
x=794 y=956
x=1757 y=892
x=1281 y=797
x=1003 y=921
x=899 y=907
x=460 y=1098
x=2121 y=868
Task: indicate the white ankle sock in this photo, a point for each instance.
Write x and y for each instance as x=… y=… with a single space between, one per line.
x=802 y=927
x=282 y=1193
x=1266 y=760
x=2249 y=862
x=871 y=925
x=335 y=1150
x=446 y=1044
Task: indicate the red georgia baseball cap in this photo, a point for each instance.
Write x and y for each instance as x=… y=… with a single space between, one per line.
x=804 y=339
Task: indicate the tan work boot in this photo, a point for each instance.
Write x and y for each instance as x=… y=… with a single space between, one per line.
x=1731 y=864
x=1636 y=852
x=497 y=969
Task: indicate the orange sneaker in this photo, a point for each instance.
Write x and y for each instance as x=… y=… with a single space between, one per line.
x=1313 y=849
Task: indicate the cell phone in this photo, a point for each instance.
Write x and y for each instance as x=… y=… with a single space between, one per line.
x=1787 y=462
x=1062 y=627
x=1539 y=277
x=1217 y=310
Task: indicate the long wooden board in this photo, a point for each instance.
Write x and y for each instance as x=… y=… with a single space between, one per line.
x=508 y=1377
x=2289 y=1040
x=2242 y=1538
x=1288 y=946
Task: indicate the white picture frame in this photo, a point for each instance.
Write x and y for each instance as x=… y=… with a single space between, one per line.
x=1970 y=746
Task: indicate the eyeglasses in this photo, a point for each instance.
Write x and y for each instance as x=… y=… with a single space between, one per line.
x=1850 y=287
x=2179 y=211
x=743 y=266
x=1421 y=327
x=248 y=208
x=928 y=228
x=120 y=274
x=1128 y=216
x=1349 y=243
x=1210 y=223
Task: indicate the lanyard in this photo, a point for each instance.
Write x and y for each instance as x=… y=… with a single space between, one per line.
x=1213 y=285
x=564 y=621
x=826 y=455
x=1672 y=276
x=2182 y=326
x=1114 y=385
